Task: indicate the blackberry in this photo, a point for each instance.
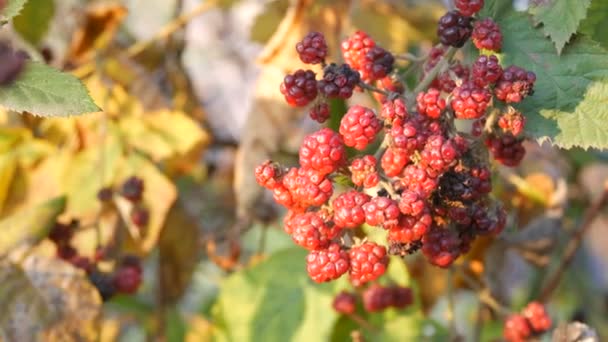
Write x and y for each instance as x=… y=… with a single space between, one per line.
x=517 y=329
x=411 y=228
x=392 y=110
x=268 y=174
x=506 y=149
x=311 y=231
x=515 y=84
x=345 y=303
x=382 y=211
x=105 y=194
x=454 y=29
x=140 y=216
x=322 y=151
x=470 y=101
x=363 y=171
x=338 y=81
x=390 y=85
x=468 y=7
x=127 y=279
x=430 y=103
x=486 y=35
x=394 y=160
x=359 y=127
x=327 y=264
x=306 y=188
x=445 y=81
x=441 y=246
x=104 y=284
x=486 y=70
x=377 y=298
x=378 y=63
x=368 y=261
x=313 y=48
x=438 y=154
x=132 y=189
x=320 y=112
x=512 y=122
x=12 y=65
x=537 y=317
x=299 y=88
x=348 y=209
x=355 y=47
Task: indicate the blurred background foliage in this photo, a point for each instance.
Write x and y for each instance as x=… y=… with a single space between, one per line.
x=191 y=104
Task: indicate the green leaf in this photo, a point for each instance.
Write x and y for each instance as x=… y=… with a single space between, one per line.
x=560 y=18
x=12 y=9
x=595 y=23
x=29 y=225
x=45 y=91
x=34 y=20
x=276 y=301
x=566 y=87
x=495 y=8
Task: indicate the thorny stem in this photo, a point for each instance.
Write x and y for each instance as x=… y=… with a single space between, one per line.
x=573 y=245
x=370 y=87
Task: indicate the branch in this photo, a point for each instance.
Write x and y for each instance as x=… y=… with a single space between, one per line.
x=573 y=245
x=428 y=79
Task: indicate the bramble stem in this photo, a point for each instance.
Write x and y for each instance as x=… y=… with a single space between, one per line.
x=370 y=87
x=410 y=57
x=428 y=79
x=573 y=245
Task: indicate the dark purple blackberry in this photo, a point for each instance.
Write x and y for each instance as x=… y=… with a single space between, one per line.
x=313 y=48
x=338 y=81
x=133 y=189
x=454 y=29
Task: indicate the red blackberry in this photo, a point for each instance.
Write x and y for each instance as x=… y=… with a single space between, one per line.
x=438 y=154
x=355 y=47
x=411 y=203
x=506 y=149
x=132 y=189
x=313 y=48
x=268 y=174
x=512 y=122
x=320 y=112
x=133 y=261
x=517 y=329
x=441 y=246
x=345 y=303
x=140 y=216
x=322 y=151
x=392 y=110
x=327 y=264
x=470 y=101
x=537 y=317
x=359 y=127
x=515 y=84
x=445 y=81
x=338 y=81
x=377 y=298
x=311 y=231
x=382 y=211
x=486 y=35
x=390 y=85
x=363 y=171
x=299 y=88
x=454 y=29
x=127 y=280
x=486 y=70
x=407 y=135
x=283 y=196
x=306 y=188
x=430 y=103
x=348 y=209
x=376 y=64
x=411 y=228
x=416 y=178
x=61 y=233
x=468 y=7
x=368 y=261
x=394 y=160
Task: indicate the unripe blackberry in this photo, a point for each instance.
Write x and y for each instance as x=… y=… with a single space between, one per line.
x=345 y=303
x=368 y=261
x=407 y=135
x=392 y=110
x=299 y=88
x=486 y=70
x=506 y=149
x=438 y=154
x=416 y=178
x=394 y=160
x=311 y=231
x=454 y=29
x=537 y=317
x=412 y=203
x=306 y=187
x=402 y=297
x=140 y=216
x=382 y=211
x=322 y=151
x=313 y=48
x=470 y=101
x=468 y=7
x=517 y=329
x=268 y=174
x=411 y=228
x=132 y=189
x=363 y=171
x=446 y=81
x=327 y=264
x=338 y=81
x=283 y=196
x=441 y=246
x=359 y=127
x=430 y=103
x=127 y=279
x=348 y=209
x=355 y=47
x=478 y=127
x=486 y=35
x=377 y=298
x=320 y=112
x=512 y=122
x=515 y=84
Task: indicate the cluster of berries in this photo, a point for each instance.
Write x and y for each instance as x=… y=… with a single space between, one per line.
x=375 y=298
x=127 y=275
x=532 y=321
x=428 y=184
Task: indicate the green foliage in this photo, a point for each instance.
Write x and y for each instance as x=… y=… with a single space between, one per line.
x=45 y=91
x=13 y=7
x=569 y=88
x=560 y=19
x=595 y=24
x=34 y=20
x=29 y=225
